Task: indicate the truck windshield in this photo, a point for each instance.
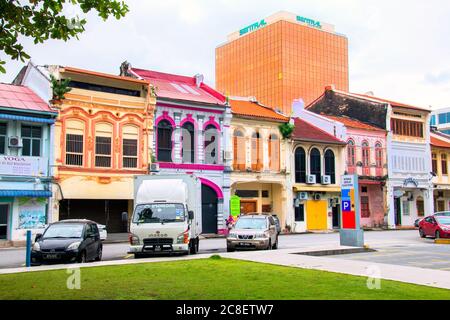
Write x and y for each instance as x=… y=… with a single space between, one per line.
x=159 y=213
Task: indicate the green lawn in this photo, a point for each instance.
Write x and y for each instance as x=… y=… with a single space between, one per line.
x=206 y=279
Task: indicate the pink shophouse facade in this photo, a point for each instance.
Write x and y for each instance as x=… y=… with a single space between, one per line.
x=190 y=128
x=366 y=156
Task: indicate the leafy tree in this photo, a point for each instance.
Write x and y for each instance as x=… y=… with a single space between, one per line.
x=46 y=19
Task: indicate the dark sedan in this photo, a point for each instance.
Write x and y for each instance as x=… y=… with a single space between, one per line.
x=68 y=241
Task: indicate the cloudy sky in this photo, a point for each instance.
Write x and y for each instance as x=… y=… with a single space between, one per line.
x=398 y=49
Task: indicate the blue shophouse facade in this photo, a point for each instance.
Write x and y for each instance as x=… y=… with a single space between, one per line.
x=26 y=154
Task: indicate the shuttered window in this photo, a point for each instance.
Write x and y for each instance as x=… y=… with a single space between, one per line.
x=103 y=147
x=130 y=146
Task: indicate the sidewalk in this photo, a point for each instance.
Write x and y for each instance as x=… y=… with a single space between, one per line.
x=289 y=258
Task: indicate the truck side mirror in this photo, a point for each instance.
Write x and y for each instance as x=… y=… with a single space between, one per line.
x=38 y=237
x=191 y=215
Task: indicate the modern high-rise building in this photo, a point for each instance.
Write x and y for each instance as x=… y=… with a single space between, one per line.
x=282 y=58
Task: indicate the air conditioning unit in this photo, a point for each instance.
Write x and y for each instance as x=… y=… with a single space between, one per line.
x=326 y=179
x=311 y=179
x=14 y=142
x=317 y=196
x=302 y=196
x=154 y=167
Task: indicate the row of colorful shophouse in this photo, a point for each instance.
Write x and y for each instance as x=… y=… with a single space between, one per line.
x=77 y=156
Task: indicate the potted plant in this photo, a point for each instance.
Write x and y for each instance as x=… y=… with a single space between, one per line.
x=59 y=88
x=286 y=130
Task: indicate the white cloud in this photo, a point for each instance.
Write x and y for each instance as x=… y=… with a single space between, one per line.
x=398 y=49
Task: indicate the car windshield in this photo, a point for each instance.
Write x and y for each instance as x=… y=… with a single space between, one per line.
x=159 y=213
x=249 y=223
x=64 y=230
x=443 y=220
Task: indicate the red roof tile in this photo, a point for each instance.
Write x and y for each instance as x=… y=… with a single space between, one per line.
x=21 y=97
x=440 y=142
x=305 y=131
x=353 y=123
x=178 y=87
x=254 y=109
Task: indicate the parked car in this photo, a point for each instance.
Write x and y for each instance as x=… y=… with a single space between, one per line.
x=435 y=226
x=102 y=231
x=277 y=223
x=253 y=231
x=68 y=241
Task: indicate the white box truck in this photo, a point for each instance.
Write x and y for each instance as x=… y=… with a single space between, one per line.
x=167 y=214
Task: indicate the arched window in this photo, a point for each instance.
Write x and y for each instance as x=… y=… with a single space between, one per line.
x=188 y=142
x=130 y=138
x=238 y=150
x=274 y=152
x=330 y=166
x=103 y=148
x=315 y=164
x=257 y=162
x=164 y=139
x=211 y=145
x=74 y=142
x=351 y=154
x=300 y=165
x=366 y=158
x=379 y=155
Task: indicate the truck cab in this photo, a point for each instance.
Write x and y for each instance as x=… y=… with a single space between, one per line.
x=166 y=215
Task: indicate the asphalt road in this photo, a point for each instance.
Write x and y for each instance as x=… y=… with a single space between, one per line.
x=393 y=247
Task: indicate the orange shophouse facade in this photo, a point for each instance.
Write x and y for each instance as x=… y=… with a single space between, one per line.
x=102 y=139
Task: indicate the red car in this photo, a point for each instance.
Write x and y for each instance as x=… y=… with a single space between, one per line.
x=435 y=226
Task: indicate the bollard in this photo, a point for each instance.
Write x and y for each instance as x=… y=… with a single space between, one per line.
x=28 y=257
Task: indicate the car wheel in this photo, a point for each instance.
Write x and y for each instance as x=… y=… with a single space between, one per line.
x=139 y=255
x=99 y=254
x=275 y=245
x=438 y=234
x=230 y=250
x=421 y=233
x=82 y=258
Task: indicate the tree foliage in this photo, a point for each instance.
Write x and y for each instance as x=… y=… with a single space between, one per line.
x=42 y=20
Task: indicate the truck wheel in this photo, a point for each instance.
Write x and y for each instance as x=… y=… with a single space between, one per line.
x=138 y=255
x=193 y=246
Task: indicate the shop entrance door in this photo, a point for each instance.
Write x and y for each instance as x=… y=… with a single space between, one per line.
x=316 y=215
x=4 y=209
x=398 y=212
x=336 y=218
x=440 y=205
x=248 y=206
